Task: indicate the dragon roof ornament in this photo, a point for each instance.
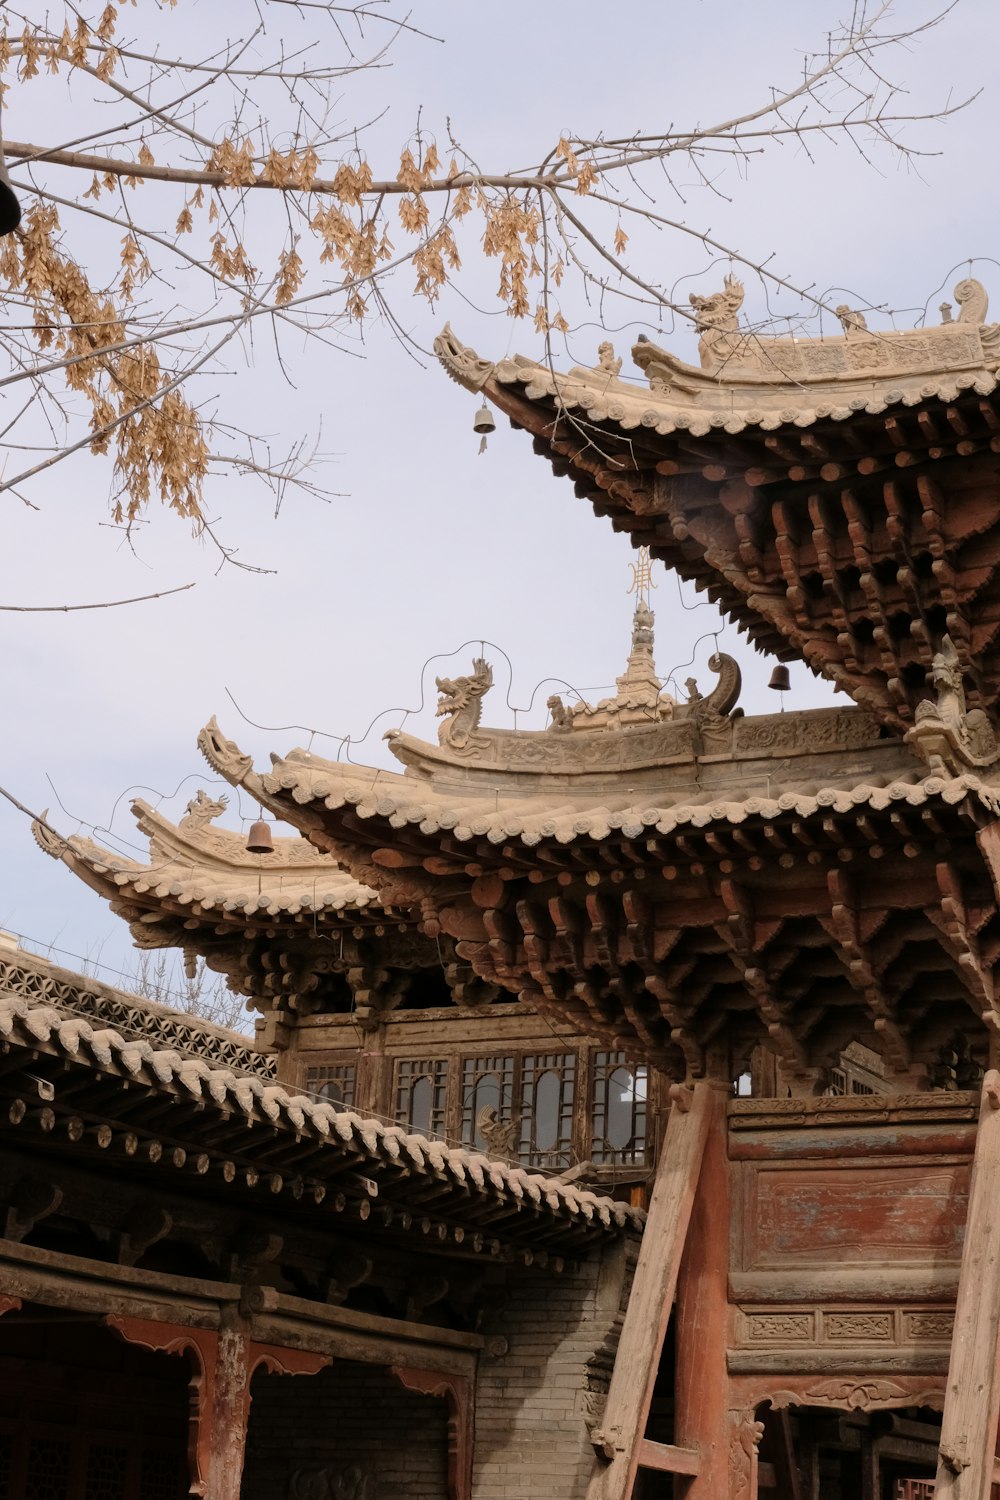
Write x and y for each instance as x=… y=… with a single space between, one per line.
x=946 y=734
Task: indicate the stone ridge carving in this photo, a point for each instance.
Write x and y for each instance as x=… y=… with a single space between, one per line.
x=948 y=736
x=201 y=810
x=716 y=320
x=461 y=704
x=972 y=301
x=463 y=364
x=851 y=320
x=223 y=755
x=641 y=701
x=734 y=354
x=676 y=741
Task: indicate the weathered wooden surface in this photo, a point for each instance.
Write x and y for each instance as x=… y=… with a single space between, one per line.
x=631 y=1389
x=701 y=1419
x=972 y=1403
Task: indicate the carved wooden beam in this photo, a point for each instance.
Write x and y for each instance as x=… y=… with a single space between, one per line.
x=32 y=1199
x=143 y=1226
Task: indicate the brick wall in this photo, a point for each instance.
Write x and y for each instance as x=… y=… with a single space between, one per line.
x=308 y=1433
x=532 y=1403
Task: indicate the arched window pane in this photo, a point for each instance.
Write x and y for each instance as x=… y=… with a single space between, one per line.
x=621 y=1096
x=421 y=1102
x=618 y=1111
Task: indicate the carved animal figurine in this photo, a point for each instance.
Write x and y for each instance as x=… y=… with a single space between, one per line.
x=461 y=704
x=562 y=718
x=499 y=1137
x=202 y=809
x=715 y=317
x=946 y=734
x=851 y=321
x=711 y=713
x=720 y=309
x=606 y=359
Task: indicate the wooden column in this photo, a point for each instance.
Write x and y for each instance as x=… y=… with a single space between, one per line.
x=621 y=1441
x=972 y=1399
x=223 y=1364
x=702 y=1418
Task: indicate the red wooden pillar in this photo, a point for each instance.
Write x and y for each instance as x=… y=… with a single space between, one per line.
x=702 y=1417
x=223 y=1366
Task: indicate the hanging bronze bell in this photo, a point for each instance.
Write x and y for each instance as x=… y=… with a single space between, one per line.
x=780 y=680
x=259 y=840
x=483 y=421
x=10 y=207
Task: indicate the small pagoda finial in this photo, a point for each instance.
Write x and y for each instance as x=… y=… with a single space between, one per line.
x=642 y=580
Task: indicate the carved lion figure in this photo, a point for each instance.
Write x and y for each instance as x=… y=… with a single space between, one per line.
x=460 y=703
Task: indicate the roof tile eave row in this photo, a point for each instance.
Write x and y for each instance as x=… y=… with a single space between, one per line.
x=381 y=1145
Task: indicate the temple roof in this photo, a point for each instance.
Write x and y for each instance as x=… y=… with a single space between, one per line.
x=836 y=497
x=38 y=981
x=208 y=869
x=750 y=380
x=797 y=899
x=314 y=1143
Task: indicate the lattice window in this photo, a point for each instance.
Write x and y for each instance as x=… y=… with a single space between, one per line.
x=334 y=1082
x=548 y=1088
x=48 y=1469
x=107 y=1472
x=487 y=1084
x=421 y=1089
x=838 y=1082
x=618 y=1110
x=161 y=1477
x=914 y=1489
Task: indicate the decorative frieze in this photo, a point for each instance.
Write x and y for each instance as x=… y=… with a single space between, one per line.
x=790 y=1328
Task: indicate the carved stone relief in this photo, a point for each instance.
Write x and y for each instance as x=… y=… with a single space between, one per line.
x=331 y=1482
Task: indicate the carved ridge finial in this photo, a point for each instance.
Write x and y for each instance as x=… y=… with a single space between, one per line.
x=462 y=363
x=224 y=756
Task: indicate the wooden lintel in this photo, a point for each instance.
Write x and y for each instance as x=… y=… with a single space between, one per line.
x=667 y=1458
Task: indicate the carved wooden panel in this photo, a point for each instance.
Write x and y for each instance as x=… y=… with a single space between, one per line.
x=898 y=1212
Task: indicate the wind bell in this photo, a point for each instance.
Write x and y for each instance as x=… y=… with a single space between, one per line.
x=483 y=423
